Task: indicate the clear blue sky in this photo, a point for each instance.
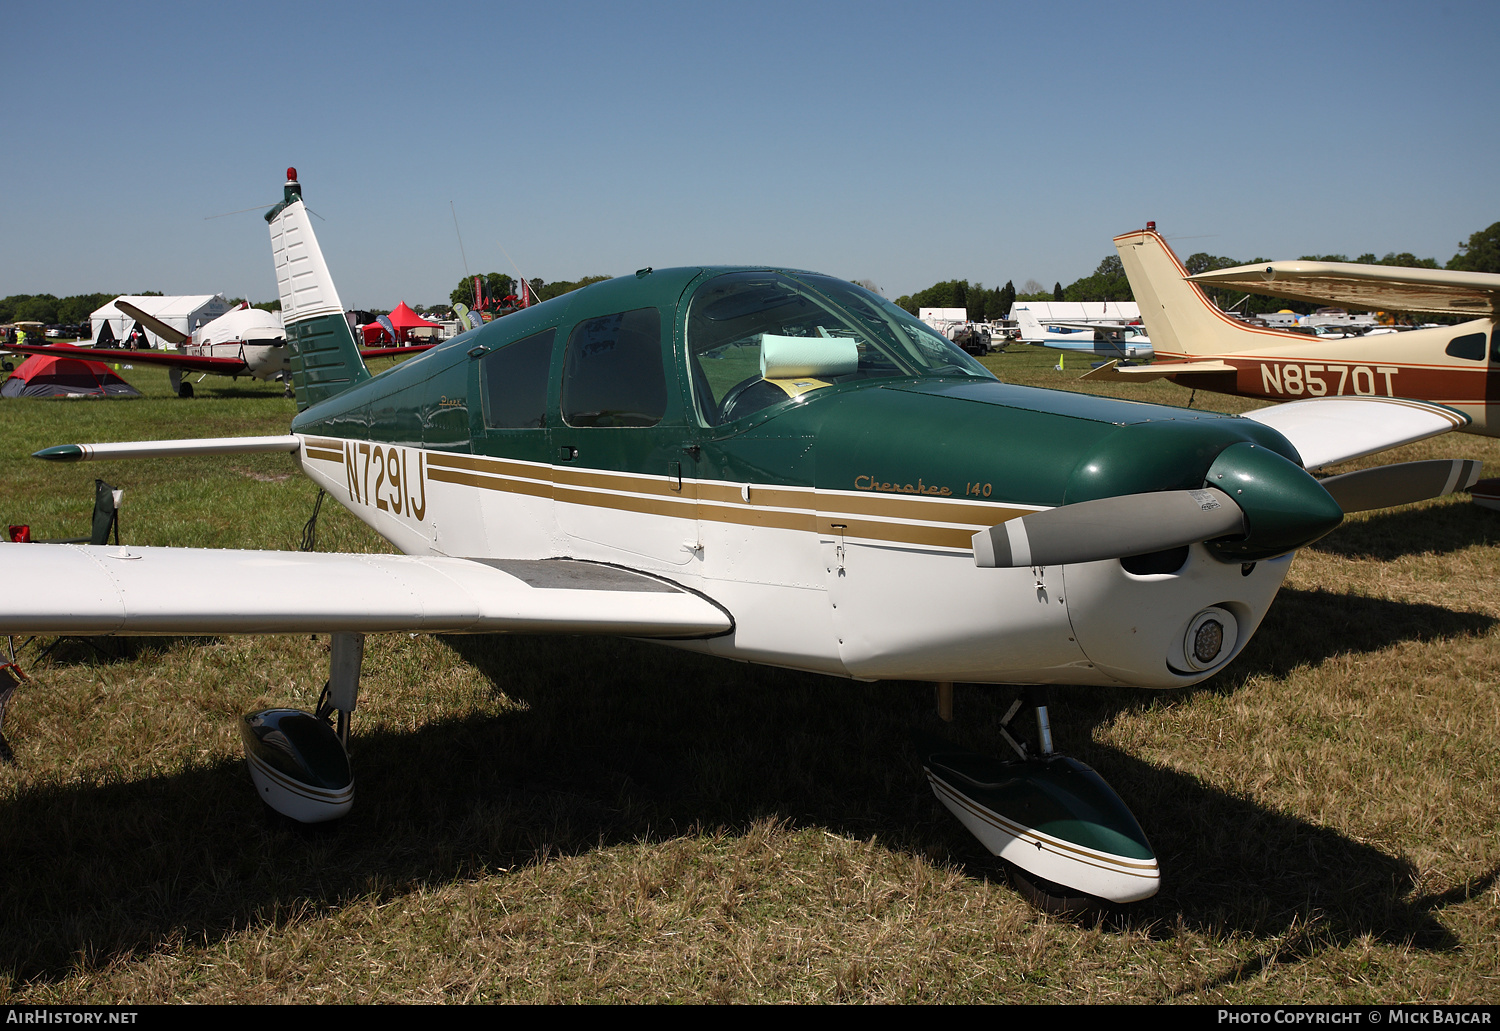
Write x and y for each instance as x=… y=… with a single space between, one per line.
x=899 y=142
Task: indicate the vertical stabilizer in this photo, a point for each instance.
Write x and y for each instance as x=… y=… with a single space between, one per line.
x=1180 y=319
x=325 y=358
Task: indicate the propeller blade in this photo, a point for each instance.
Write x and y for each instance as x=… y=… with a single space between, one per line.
x=1388 y=485
x=170 y=334
x=1132 y=524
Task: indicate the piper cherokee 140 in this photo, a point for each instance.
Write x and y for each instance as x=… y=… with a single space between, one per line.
x=761 y=464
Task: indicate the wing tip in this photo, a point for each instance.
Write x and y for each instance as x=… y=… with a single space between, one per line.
x=60 y=453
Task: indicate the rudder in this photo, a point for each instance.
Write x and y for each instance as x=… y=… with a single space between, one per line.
x=1179 y=317
x=325 y=358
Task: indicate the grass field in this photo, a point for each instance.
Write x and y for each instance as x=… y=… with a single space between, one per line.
x=579 y=820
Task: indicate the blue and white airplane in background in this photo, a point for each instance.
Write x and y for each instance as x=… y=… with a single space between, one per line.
x=1109 y=329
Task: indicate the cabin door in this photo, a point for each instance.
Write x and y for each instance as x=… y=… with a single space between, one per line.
x=625 y=489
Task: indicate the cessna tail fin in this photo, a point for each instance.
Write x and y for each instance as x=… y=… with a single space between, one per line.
x=1181 y=320
x=325 y=358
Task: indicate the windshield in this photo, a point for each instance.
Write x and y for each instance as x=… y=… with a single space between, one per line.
x=756 y=339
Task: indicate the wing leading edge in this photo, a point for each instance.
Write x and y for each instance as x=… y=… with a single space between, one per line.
x=1324 y=430
x=1329 y=430
x=170 y=359
x=72 y=589
x=1365 y=286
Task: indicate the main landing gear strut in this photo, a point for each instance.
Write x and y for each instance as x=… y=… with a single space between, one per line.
x=299 y=760
x=1050 y=816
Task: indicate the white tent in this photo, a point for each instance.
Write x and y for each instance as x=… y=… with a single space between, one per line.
x=183 y=312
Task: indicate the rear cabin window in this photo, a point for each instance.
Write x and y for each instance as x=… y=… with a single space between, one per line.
x=612 y=374
x=514 y=382
x=1470 y=346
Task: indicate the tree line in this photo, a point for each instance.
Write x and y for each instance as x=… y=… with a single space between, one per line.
x=1480 y=253
x=56 y=311
x=496 y=286
x=75 y=310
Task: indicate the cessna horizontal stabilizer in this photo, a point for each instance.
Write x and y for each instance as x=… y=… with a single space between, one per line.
x=1136 y=524
x=1388 y=485
x=1113 y=372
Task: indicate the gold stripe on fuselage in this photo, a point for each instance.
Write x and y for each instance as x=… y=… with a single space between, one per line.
x=935 y=522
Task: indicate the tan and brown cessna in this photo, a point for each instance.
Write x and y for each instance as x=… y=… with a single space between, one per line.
x=1199 y=346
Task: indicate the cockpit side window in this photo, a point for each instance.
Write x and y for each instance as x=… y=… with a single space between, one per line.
x=612 y=371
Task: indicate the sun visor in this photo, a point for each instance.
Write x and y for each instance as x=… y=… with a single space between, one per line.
x=784 y=357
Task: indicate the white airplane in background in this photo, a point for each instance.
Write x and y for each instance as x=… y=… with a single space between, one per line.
x=1115 y=331
x=245 y=341
x=766 y=465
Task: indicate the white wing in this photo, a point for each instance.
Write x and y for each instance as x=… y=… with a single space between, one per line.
x=70 y=589
x=1324 y=430
x=1329 y=430
x=1365 y=286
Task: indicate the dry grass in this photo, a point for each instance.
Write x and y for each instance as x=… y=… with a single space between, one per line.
x=561 y=820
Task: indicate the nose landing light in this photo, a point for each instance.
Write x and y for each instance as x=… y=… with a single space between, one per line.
x=1209 y=641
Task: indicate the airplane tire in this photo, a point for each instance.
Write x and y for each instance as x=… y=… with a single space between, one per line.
x=1057 y=899
x=186 y=390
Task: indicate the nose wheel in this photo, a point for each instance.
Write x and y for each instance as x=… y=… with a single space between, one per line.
x=1071 y=838
x=298 y=760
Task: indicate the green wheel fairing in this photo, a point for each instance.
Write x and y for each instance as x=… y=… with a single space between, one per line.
x=1057 y=796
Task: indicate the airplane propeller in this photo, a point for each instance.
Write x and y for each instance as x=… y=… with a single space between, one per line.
x=1139 y=524
x=1132 y=524
x=1386 y=486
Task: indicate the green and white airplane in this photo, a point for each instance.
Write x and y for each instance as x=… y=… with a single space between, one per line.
x=766 y=465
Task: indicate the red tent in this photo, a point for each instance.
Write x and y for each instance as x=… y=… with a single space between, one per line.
x=405 y=320
x=45 y=375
